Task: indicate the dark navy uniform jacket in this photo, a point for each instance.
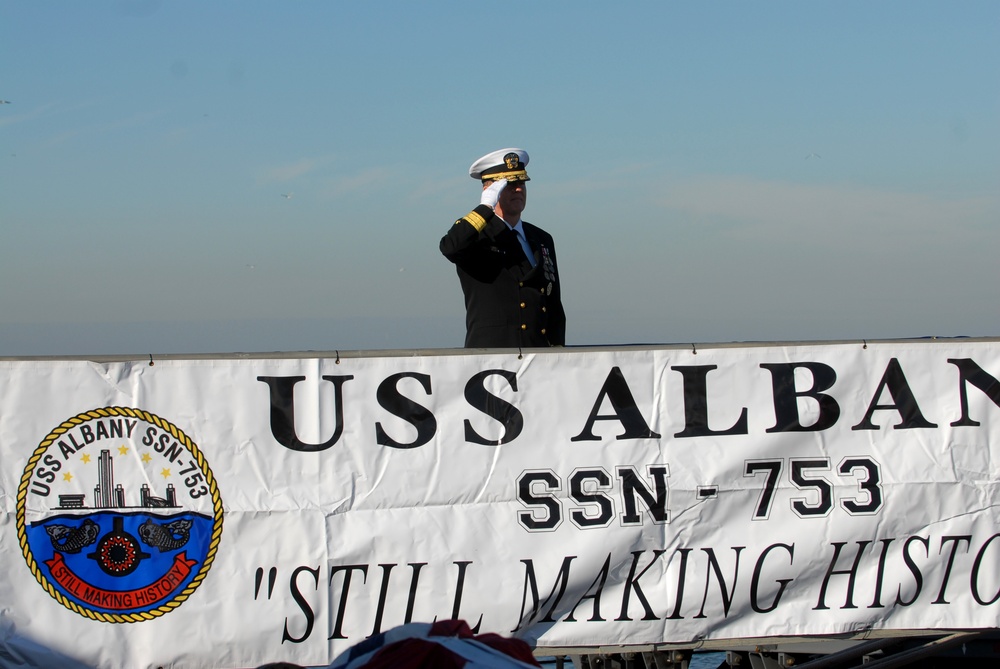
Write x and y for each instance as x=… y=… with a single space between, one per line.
x=508 y=303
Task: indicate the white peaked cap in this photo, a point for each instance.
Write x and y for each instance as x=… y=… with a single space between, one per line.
x=503 y=164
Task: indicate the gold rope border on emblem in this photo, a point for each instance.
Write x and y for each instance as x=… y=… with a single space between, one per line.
x=22 y=492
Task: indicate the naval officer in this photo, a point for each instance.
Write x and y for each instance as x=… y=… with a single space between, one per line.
x=507 y=267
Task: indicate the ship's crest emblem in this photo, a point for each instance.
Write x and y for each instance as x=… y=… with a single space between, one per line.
x=118 y=515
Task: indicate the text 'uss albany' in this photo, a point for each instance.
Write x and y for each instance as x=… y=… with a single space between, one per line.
x=890 y=402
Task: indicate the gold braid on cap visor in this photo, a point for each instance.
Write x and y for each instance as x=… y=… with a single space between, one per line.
x=517 y=175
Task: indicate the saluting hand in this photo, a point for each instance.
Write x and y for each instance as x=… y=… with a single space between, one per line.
x=491 y=194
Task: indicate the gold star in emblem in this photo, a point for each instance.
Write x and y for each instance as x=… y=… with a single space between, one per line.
x=85 y=458
x=165 y=473
x=67 y=477
x=146 y=457
x=123 y=449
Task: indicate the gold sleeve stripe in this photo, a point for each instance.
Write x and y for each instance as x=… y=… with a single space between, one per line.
x=475 y=220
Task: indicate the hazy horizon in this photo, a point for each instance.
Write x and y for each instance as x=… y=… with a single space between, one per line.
x=191 y=177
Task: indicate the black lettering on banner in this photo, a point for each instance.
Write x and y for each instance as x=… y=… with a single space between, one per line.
x=500 y=410
x=991 y=570
x=632 y=584
x=955 y=541
x=866 y=472
x=411 y=597
x=870 y=486
x=194 y=490
x=382 y=597
x=593 y=593
x=173 y=451
x=773 y=469
x=918 y=578
x=45 y=475
x=282 y=393
x=545 y=513
x=970 y=372
x=52 y=461
x=348 y=570
x=851 y=573
x=456 y=609
x=616 y=390
x=655 y=503
x=822 y=505
x=588 y=488
x=903 y=401
x=304 y=607
x=786 y=408
x=782 y=582
x=696 y=405
x=388 y=586
x=592 y=495
x=908 y=594
x=681 y=580
x=880 y=579
x=727 y=595
x=390 y=399
x=531 y=588
x=67 y=450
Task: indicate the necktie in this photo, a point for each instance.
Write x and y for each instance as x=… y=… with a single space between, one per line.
x=527 y=248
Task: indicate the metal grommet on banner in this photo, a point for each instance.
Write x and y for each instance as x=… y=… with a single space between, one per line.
x=151 y=363
x=337 y=361
x=865 y=342
x=520 y=356
x=694 y=349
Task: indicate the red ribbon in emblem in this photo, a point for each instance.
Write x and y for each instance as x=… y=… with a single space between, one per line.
x=121 y=600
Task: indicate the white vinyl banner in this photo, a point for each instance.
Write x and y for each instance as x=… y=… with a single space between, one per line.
x=230 y=512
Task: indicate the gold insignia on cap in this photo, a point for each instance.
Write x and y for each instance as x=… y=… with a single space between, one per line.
x=511 y=160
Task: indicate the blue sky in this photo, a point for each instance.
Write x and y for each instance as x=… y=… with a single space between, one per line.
x=711 y=171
